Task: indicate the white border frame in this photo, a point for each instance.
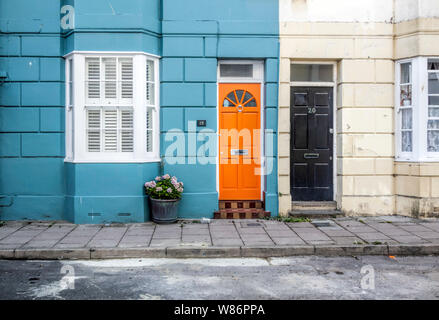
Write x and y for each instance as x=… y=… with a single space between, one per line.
x=75 y=140
x=334 y=85
x=420 y=112
x=258 y=77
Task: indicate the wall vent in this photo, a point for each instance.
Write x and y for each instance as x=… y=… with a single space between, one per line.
x=94 y=214
x=124 y=214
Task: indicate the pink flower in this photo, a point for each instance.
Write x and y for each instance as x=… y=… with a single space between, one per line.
x=181 y=184
x=169 y=190
x=158 y=189
x=166 y=176
x=180 y=189
x=158 y=178
x=150 y=184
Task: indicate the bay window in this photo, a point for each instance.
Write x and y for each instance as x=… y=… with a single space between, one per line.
x=111 y=107
x=417 y=109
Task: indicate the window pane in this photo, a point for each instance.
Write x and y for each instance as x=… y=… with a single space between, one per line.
x=433 y=83
x=110 y=130
x=150 y=93
x=433 y=64
x=406 y=115
x=110 y=77
x=227 y=103
x=406 y=95
x=71 y=93
x=149 y=128
x=94 y=130
x=127 y=135
x=406 y=141
x=126 y=70
x=433 y=124
x=433 y=112
x=433 y=100
x=236 y=70
x=406 y=73
x=150 y=97
x=312 y=72
x=433 y=141
x=149 y=70
x=239 y=94
x=251 y=103
x=93 y=78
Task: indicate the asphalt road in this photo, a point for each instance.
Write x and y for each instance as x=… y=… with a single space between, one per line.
x=310 y=277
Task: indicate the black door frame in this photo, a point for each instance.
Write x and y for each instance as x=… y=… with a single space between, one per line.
x=332 y=135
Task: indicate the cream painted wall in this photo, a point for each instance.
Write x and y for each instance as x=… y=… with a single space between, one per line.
x=335 y=10
x=364 y=40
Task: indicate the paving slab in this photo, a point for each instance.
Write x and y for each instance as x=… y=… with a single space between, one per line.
x=345 y=236
x=415 y=228
x=346 y=240
x=40 y=244
x=409 y=239
x=427 y=234
x=227 y=242
x=372 y=236
x=282 y=241
x=164 y=242
x=281 y=233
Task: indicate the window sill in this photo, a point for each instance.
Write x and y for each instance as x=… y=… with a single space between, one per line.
x=422 y=160
x=113 y=160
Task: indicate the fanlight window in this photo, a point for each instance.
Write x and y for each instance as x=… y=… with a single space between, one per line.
x=239 y=98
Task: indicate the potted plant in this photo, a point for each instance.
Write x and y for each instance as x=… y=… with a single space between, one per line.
x=164 y=195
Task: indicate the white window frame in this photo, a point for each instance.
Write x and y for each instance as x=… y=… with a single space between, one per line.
x=420 y=112
x=76 y=115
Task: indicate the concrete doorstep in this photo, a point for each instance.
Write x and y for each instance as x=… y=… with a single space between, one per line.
x=385 y=235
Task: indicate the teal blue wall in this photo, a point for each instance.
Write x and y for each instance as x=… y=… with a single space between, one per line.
x=189 y=35
x=195 y=34
x=32 y=181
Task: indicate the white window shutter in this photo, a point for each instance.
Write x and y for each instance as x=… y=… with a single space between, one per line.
x=149 y=128
x=93 y=78
x=126 y=71
x=110 y=78
x=110 y=130
x=127 y=133
x=94 y=130
x=150 y=82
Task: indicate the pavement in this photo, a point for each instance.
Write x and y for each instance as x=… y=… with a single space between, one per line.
x=299 y=277
x=346 y=236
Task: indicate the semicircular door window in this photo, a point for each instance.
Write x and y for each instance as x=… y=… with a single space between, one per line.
x=239 y=98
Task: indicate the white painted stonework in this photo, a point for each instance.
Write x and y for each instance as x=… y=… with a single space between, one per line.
x=413 y=9
x=335 y=10
x=356 y=10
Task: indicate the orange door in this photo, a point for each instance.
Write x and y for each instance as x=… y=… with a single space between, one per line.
x=239 y=124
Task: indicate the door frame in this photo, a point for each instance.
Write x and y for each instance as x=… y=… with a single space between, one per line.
x=258 y=77
x=332 y=84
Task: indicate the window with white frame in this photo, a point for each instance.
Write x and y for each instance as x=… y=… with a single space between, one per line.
x=111 y=107
x=417 y=109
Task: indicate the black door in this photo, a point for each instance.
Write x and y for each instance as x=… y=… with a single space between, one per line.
x=311 y=144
